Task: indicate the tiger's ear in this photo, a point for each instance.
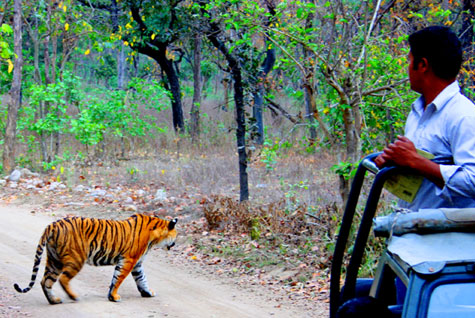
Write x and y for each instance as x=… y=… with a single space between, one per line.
x=172 y=223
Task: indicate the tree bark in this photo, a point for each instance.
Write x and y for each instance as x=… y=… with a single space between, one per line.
x=33 y=33
x=121 y=66
x=259 y=95
x=310 y=108
x=196 y=103
x=15 y=92
x=309 y=89
x=174 y=82
x=236 y=74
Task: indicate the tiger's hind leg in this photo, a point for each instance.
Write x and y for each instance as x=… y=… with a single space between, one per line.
x=52 y=271
x=70 y=269
x=141 y=280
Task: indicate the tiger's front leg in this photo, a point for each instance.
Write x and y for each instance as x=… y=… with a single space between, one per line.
x=123 y=268
x=141 y=280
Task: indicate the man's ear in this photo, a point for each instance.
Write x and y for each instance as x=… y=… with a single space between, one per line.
x=423 y=64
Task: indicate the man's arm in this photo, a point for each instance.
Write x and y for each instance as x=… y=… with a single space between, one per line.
x=403 y=153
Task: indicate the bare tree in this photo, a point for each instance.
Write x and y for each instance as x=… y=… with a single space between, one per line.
x=195 y=106
x=216 y=36
x=15 y=92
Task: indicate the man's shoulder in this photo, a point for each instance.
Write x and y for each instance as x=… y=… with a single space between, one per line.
x=460 y=105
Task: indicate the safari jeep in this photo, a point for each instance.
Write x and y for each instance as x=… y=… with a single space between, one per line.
x=428 y=267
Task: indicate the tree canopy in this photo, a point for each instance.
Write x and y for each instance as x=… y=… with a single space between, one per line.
x=99 y=72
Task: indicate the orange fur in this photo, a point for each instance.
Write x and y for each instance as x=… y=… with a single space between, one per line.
x=71 y=242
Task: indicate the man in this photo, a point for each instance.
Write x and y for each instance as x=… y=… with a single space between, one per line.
x=441 y=122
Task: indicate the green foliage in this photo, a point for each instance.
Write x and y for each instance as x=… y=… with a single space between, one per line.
x=6 y=54
x=345 y=169
x=255 y=229
x=5 y=51
x=53 y=164
x=116 y=113
x=54 y=119
x=269 y=154
x=90 y=116
x=309 y=38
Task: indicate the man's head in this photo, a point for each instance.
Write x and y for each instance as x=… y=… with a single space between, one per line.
x=440 y=48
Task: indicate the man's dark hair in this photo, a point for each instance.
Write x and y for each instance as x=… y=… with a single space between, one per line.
x=442 y=49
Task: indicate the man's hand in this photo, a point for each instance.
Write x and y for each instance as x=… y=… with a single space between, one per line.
x=403 y=153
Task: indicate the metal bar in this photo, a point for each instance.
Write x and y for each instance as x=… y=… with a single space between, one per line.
x=342 y=239
x=365 y=228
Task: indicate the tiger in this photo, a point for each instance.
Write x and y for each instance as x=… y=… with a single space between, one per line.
x=73 y=241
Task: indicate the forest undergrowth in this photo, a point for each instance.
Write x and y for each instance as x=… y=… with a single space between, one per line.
x=283 y=237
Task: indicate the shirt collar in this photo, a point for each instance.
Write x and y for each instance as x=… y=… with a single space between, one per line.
x=440 y=101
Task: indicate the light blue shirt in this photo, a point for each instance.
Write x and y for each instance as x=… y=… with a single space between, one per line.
x=446 y=128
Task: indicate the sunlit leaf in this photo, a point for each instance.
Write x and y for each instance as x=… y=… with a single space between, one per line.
x=10 y=66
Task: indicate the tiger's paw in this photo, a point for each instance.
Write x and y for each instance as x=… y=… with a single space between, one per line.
x=114 y=298
x=75 y=298
x=55 y=300
x=147 y=293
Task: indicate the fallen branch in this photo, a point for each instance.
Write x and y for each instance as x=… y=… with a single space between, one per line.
x=274 y=106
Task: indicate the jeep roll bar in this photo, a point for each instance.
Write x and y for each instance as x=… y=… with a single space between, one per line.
x=337 y=297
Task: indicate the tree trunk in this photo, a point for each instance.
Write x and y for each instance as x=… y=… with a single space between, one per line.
x=36 y=60
x=233 y=63
x=310 y=105
x=241 y=132
x=258 y=125
x=54 y=57
x=33 y=33
x=47 y=61
x=353 y=146
x=15 y=92
x=121 y=66
x=225 y=82
x=166 y=65
x=267 y=66
x=310 y=110
x=177 y=107
x=196 y=103
x=44 y=106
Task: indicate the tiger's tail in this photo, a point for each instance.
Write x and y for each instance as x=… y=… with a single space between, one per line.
x=36 y=265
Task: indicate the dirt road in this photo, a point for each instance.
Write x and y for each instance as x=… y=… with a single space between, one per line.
x=181 y=291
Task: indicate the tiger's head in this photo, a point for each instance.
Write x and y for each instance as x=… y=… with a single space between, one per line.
x=165 y=235
x=171 y=233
